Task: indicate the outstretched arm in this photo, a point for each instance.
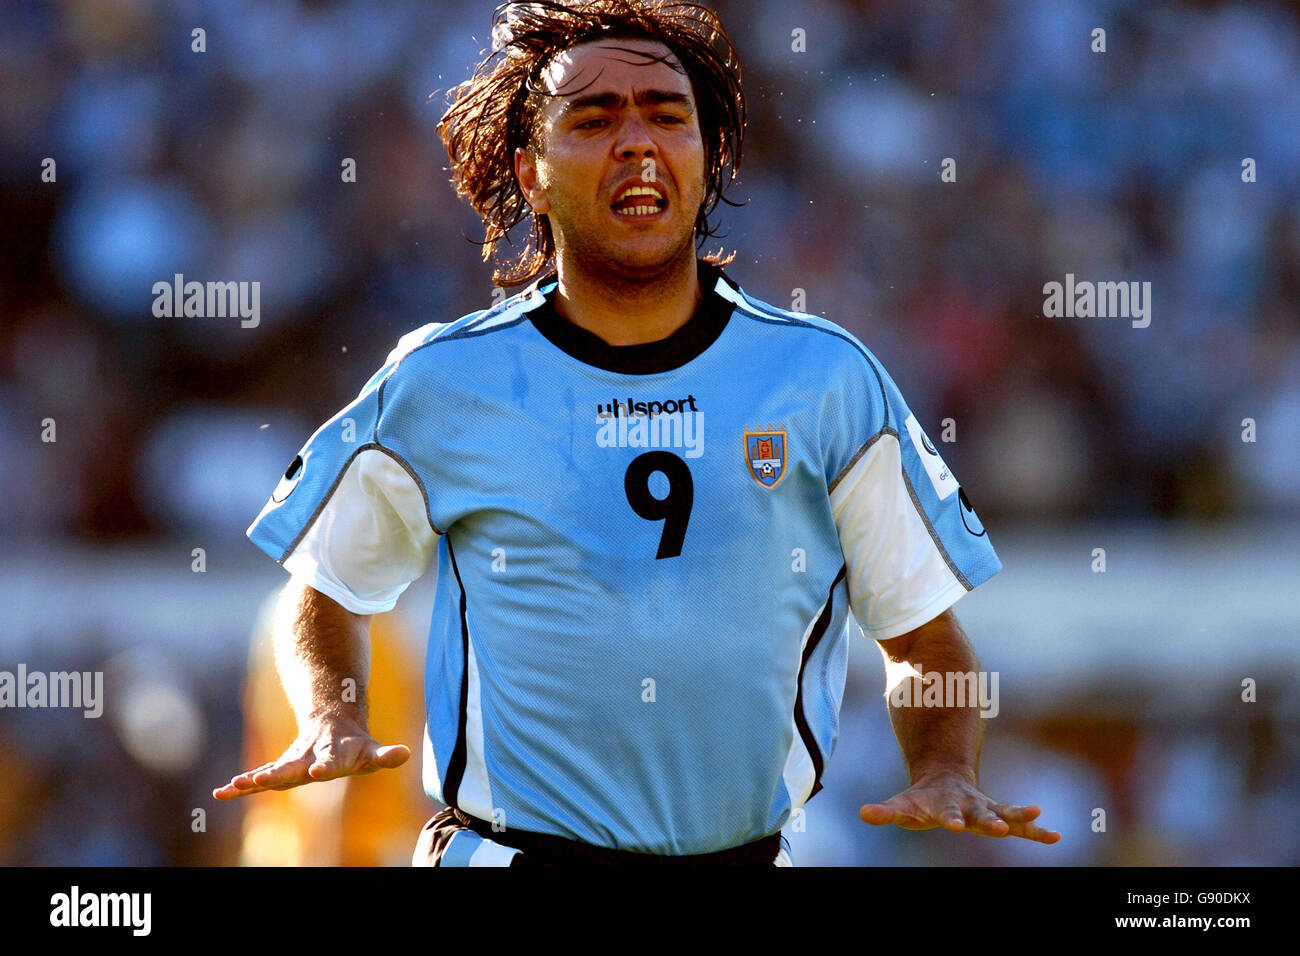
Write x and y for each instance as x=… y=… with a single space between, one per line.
x=941 y=745
x=319 y=646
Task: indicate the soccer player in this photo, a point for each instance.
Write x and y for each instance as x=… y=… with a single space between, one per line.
x=657 y=502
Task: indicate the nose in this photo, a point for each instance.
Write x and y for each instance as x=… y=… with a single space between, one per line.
x=634 y=139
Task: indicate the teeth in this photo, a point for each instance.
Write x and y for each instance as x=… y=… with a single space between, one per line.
x=638 y=191
x=640 y=210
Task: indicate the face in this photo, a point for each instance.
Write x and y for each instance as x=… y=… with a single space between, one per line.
x=619 y=121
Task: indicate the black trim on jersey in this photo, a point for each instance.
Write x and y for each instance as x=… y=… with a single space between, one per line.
x=689 y=341
x=456 y=764
x=800 y=719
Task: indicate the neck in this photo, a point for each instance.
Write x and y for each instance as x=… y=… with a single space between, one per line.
x=628 y=311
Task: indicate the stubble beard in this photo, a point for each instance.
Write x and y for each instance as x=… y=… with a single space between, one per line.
x=599 y=261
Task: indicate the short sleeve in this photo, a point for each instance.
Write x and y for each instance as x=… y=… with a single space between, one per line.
x=350 y=517
x=912 y=542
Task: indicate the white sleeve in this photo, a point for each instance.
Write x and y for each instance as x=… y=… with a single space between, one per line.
x=898 y=575
x=912 y=543
x=369 y=539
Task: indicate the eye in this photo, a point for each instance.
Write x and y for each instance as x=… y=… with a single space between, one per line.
x=590 y=124
x=670 y=118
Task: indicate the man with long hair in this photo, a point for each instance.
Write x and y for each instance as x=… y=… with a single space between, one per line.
x=658 y=503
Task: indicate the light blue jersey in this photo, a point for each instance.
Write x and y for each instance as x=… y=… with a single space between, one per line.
x=649 y=556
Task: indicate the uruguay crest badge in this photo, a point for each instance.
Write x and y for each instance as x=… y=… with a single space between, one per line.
x=765 y=457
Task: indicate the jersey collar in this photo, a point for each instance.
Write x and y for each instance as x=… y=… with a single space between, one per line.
x=689 y=341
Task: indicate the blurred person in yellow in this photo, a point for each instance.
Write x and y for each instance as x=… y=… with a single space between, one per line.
x=352 y=821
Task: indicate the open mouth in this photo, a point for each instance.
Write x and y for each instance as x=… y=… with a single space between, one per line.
x=638 y=202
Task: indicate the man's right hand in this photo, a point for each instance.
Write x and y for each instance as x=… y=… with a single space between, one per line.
x=329 y=746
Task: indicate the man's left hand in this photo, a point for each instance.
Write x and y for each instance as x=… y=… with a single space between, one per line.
x=949 y=799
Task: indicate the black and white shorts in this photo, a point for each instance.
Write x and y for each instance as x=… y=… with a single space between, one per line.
x=452 y=838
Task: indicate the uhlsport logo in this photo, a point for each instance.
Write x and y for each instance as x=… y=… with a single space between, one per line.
x=765 y=457
x=675 y=423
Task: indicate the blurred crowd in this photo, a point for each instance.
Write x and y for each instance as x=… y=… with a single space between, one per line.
x=219 y=155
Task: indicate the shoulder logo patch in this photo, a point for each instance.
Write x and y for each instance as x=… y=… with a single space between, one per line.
x=292 y=475
x=941 y=476
x=765 y=457
x=968 y=516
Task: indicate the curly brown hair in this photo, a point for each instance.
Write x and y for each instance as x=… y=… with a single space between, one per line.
x=498 y=109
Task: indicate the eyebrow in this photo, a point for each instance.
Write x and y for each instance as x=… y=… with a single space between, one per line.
x=617 y=100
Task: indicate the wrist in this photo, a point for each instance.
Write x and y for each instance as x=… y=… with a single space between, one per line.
x=335 y=711
x=941 y=771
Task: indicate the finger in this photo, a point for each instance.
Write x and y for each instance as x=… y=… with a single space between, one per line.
x=245 y=779
x=355 y=756
x=930 y=807
x=1032 y=831
x=284 y=774
x=987 y=823
x=895 y=812
x=242 y=789
x=391 y=756
x=333 y=761
x=231 y=792
x=1016 y=814
x=240 y=784
x=879 y=814
x=344 y=756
